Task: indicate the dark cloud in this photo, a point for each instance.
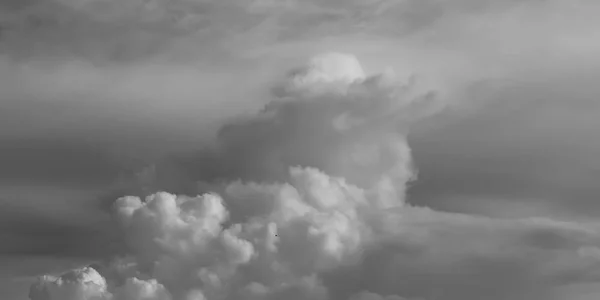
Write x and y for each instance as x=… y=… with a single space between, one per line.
x=527 y=141
x=32 y=235
x=128 y=30
x=55 y=161
x=101 y=31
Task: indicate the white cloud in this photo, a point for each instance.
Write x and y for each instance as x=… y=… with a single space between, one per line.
x=328 y=115
x=135 y=289
x=288 y=230
x=312 y=224
x=326 y=70
x=79 y=284
x=87 y=284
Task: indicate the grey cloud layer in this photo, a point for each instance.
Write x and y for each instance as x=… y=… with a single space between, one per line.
x=129 y=30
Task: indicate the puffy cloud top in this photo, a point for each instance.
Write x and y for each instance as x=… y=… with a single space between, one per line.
x=79 y=284
x=328 y=68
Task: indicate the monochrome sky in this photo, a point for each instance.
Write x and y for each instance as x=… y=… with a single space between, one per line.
x=351 y=149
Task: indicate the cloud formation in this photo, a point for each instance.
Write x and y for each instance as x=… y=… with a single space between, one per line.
x=285 y=233
x=307 y=201
x=329 y=115
x=84 y=284
x=148 y=77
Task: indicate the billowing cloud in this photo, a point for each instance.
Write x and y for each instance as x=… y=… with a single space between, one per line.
x=283 y=233
x=79 y=284
x=312 y=225
x=306 y=200
x=305 y=227
x=328 y=115
x=87 y=284
x=318 y=237
x=141 y=290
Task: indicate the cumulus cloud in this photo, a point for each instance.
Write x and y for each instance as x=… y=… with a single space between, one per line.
x=141 y=290
x=310 y=240
x=87 y=284
x=306 y=200
x=274 y=238
x=313 y=224
x=329 y=115
x=84 y=284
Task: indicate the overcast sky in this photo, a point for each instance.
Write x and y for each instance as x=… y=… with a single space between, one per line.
x=101 y=99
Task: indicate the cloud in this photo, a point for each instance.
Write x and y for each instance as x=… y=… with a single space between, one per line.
x=142 y=290
x=152 y=76
x=87 y=284
x=306 y=200
x=312 y=223
x=184 y=240
x=525 y=148
x=131 y=29
x=80 y=284
x=129 y=73
x=315 y=224
x=328 y=115
x=454 y=256
x=301 y=244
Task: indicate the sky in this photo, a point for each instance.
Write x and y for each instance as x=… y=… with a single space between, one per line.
x=287 y=149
